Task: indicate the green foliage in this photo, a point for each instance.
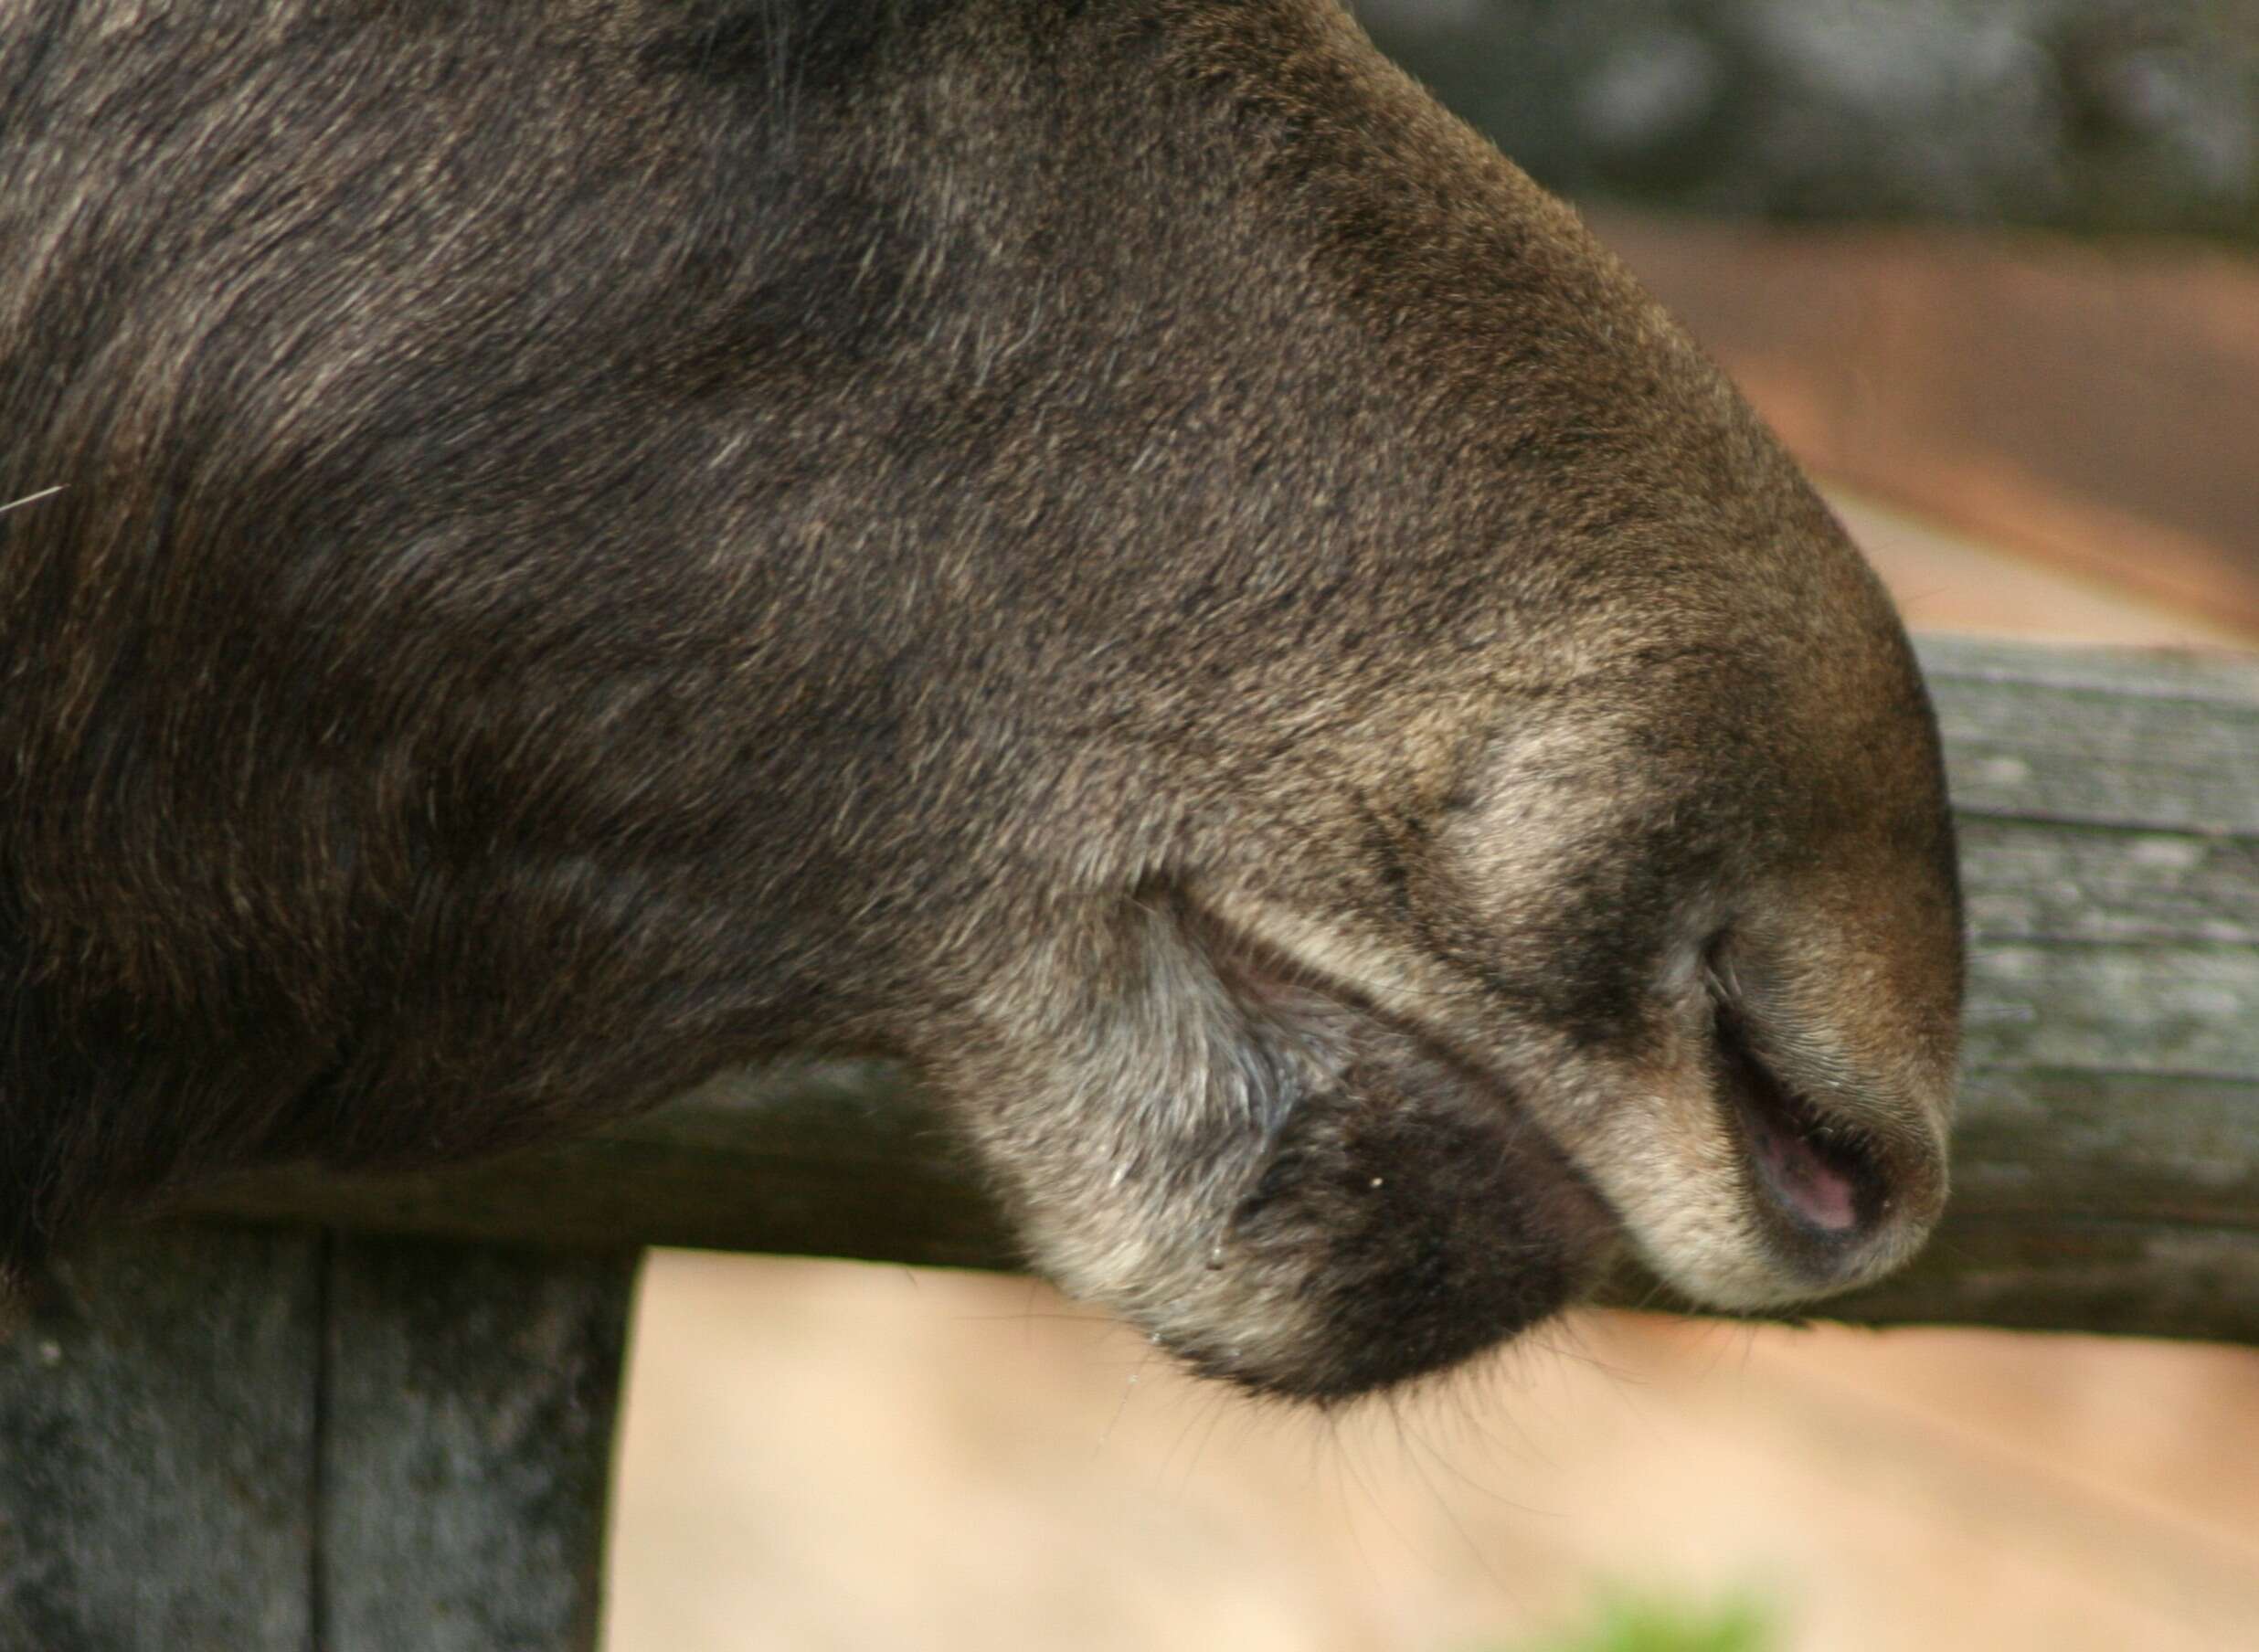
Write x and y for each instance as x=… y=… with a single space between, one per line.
x=1630 y=1620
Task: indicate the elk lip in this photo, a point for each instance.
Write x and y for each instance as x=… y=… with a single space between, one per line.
x=1819 y=1174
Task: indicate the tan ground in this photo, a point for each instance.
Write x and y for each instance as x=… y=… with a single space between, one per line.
x=828 y=1456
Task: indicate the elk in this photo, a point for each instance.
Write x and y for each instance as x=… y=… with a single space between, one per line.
x=1112 y=551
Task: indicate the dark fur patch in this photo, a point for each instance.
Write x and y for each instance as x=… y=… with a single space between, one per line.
x=1430 y=1219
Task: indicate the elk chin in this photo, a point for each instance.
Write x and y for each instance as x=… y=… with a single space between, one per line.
x=1287 y=1187
x=1408 y=1217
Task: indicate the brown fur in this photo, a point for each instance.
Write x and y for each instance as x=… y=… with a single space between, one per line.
x=1113 y=550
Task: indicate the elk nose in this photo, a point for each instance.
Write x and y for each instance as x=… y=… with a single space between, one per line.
x=1837 y=1197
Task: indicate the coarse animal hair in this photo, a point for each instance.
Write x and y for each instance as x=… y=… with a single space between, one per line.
x=1112 y=550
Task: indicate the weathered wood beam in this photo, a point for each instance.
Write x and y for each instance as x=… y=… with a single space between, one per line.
x=284 y=1440
x=2106 y=1167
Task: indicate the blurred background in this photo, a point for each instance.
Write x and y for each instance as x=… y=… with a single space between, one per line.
x=1989 y=267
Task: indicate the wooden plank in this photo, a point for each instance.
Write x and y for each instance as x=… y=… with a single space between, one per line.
x=470 y=1395
x=831 y=1159
x=2107 y=1163
x=2225 y=679
x=233 y=1439
x=157 y=1417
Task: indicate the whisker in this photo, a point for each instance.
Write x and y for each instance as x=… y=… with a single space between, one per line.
x=14 y=505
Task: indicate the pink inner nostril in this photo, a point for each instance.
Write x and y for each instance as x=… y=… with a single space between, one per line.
x=1817 y=1191
x=1815 y=1170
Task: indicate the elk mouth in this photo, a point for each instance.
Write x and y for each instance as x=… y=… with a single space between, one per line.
x=1819 y=1183
x=1405 y=1210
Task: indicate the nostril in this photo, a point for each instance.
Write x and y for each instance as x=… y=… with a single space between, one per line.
x=1820 y=1172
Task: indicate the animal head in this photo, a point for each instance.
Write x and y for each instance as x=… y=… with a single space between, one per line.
x=1116 y=551
x=1525 y=838
x=1618 y=914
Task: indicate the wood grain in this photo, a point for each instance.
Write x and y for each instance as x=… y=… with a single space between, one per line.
x=232 y=1439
